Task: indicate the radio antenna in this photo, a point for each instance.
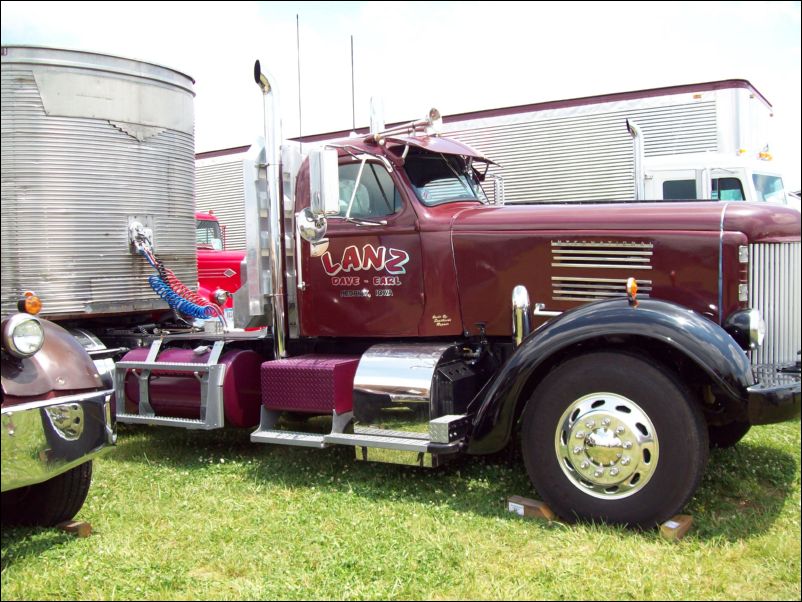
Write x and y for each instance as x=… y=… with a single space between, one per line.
x=298 y=51
x=353 y=109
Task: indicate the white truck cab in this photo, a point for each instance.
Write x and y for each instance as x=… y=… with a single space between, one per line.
x=713 y=176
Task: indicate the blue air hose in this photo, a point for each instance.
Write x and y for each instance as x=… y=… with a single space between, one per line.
x=177 y=302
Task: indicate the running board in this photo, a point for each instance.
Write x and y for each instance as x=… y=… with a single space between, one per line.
x=268 y=433
x=279 y=437
x=418 y=445
x=381 y=442
x=446 y=435
x=187 y=423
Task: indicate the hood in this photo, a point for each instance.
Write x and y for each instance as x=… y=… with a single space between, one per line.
x=759 y=222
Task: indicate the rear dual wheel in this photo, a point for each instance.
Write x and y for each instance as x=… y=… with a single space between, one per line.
x=612 y=437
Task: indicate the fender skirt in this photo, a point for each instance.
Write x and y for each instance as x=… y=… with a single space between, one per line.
x=702 y=341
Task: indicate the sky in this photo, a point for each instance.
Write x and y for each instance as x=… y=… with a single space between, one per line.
x=456 y=56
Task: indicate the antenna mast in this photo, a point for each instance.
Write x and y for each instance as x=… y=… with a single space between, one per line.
x=298 y=51
x=353 y=109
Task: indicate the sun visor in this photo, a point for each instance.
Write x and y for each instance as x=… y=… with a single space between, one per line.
x=434 y=144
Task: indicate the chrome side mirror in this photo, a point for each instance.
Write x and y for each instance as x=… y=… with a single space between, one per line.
x=324 y=182
x=310 y=227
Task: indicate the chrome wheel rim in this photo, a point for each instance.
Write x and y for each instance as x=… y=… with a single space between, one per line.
x=606 y=445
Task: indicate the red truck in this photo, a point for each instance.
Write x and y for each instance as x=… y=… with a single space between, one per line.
x=218 y=268
x=613 y=342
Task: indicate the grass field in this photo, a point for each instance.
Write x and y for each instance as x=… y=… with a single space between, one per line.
x=182 y=515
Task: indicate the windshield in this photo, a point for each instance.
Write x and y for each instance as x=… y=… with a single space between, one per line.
x=207 y=235
x=439 y=178
x=769 y=188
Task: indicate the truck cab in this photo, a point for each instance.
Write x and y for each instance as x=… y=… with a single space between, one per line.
x=218 y=268
x=713 y=176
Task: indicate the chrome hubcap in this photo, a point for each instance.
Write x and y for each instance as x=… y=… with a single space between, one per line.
x=607 y=445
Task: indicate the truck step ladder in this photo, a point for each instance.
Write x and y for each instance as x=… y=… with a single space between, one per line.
x=438 y=440
x=445 y=436
x=209 y=374
x=268 y=433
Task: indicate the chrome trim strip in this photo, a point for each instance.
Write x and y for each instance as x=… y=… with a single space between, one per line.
x=601 y=265
x=721 y=265
x=540 y=310
x=43 y=403
x=610 y=245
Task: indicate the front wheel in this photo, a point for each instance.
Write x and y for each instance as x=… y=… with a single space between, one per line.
x=611 y=437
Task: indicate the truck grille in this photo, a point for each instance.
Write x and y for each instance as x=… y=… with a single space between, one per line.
x=774 y=289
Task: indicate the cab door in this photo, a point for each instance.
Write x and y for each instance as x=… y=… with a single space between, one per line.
x=369 y=281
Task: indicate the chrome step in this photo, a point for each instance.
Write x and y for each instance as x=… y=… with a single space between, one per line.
x=188 y=423
x=382 y=442
x=288 y=438
x=268 y=433
x=367 y=430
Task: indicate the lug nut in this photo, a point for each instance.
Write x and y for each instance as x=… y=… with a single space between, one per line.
x=606 y=422
x=625 y=461
x=620 y=430
x=584 y=464
x=613 y=472
x=598 y=473
x=580 y=434
x=577 y=449
x=627 y=445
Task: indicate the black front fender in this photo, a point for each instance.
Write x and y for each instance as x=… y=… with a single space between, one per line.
x=702 y=341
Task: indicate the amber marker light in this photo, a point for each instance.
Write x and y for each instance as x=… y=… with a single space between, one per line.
x=632 y=291
x=30 y=303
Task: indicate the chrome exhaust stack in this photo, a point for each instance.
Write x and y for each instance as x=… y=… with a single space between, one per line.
x=276 y=292
x=638 y=150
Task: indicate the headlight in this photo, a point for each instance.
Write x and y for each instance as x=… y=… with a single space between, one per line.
x=23 y=335
x=747 y=327
x=220 y=296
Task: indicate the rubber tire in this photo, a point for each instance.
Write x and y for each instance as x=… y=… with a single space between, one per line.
x=727 y=435
x=677 y=420
x=50 y=503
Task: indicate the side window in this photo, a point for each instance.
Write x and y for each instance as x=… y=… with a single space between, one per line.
x=727 y=189
x=769 y=188
x=679 y=190
x=376 y=195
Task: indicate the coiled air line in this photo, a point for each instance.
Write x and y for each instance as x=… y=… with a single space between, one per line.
x=167 y=285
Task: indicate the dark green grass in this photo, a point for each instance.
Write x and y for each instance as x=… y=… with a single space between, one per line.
x=183 y=515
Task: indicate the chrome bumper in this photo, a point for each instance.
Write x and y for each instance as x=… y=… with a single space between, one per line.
x=775 y=397
x=42 y=439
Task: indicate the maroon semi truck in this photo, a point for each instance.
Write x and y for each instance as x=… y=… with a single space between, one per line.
x=386 y=305
x=428 y=323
